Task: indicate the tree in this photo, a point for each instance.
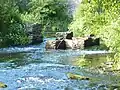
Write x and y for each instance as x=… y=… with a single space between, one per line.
x=51 y=14
x=12 y=29
x=99 y=17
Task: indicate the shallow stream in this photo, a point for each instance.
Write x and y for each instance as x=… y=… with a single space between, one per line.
x=34 y=68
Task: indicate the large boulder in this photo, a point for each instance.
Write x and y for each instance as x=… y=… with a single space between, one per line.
x=91 y=41
x=85 y=42
x=60 y=44
x=78 y=43
x=64 y=35
x=69 y=35
x=74 y=43
x=50 y=44
x=64 y=44
x=69 y=44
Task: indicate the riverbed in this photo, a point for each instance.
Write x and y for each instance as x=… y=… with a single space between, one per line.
x=34 y=68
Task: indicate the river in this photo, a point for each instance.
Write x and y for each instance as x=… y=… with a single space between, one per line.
x=34 y=68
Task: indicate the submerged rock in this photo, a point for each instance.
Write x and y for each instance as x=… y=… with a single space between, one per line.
x=2 y=85
x=77 y=77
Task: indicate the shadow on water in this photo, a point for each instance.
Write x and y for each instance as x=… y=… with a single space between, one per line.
x=34 y=68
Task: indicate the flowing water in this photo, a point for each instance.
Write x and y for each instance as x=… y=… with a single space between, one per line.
x=34 y=68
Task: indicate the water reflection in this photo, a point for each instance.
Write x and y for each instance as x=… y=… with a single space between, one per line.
x=91 y=60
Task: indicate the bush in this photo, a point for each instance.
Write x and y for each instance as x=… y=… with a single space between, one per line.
x=16 y=35
x=51 y=14
x=100 y=18
x=12 y=28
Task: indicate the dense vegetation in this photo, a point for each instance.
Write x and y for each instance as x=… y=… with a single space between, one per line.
x=14 y=14
x=99 y=17
x=52 y=14
x=12 y=29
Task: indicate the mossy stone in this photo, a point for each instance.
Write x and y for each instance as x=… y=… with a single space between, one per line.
x=2 y=85
x=77 y=77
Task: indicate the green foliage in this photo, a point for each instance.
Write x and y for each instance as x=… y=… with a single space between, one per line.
x=99 y=17
x=12 y=28
x=52 y=14
x=23 y=5
x=16 y=35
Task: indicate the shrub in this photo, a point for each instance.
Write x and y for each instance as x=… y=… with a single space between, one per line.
x=12 y=28
x=99 y=17
x=51 y=14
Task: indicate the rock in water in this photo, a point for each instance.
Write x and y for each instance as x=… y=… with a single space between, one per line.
x=69 y=35
x=60 y=44
x=50 y=44
x=91 y=41
x=77 y=77
x=65 y=40
x=64 y=35
x=2 y=85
